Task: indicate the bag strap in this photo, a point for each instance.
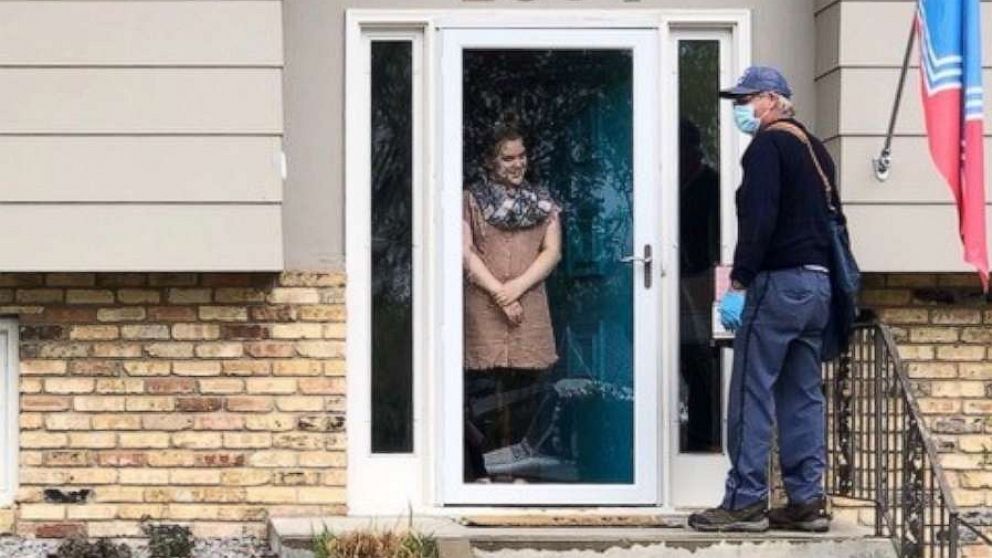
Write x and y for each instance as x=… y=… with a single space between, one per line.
x=796 y=131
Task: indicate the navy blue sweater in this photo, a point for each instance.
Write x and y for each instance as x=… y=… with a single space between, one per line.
x=781 y=206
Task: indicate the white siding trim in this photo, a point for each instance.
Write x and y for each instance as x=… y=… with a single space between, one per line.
x=9 y=428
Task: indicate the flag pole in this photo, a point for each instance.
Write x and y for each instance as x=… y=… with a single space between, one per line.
x=883 y=163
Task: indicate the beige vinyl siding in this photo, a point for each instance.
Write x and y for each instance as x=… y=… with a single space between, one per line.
x=141 y=135
x=150 y=237
x=914 y=179
x=827 y=40
x=865 y=102
x=217 y=169
x=828 y=104
x=908 y=237
x=823 y=4
x=140 y=100
x=907 y=223
x=115 y=32
x=875 y=33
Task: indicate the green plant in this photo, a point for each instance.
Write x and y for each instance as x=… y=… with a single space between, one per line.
x=419 y=545
x=321 y=543
x=81 y=548
x=374 y=544
x=168 y=541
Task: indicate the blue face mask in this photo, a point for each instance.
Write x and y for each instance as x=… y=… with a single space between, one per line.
x=745 y=119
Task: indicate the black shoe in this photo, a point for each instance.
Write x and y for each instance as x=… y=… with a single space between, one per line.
x=807 y=516
x=752 y=519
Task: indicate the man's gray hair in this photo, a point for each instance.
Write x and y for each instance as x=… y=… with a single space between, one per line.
x=784 y=105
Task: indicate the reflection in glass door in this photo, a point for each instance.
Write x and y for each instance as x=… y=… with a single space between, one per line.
x=702 y=62
x=548 y=163
x=699 y=245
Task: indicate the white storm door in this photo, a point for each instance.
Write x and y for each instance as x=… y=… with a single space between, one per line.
x=588 y=101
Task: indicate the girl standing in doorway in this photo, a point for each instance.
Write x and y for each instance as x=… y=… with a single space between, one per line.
x=511 y=238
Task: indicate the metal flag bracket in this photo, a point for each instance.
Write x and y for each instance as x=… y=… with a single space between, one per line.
x=882 y=164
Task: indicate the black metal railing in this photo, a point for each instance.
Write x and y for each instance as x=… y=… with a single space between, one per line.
x=880 y=451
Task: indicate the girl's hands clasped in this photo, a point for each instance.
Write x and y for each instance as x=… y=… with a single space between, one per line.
x=509 y=292
x=514 y=313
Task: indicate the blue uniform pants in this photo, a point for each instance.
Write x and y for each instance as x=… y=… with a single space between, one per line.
x=777 y=379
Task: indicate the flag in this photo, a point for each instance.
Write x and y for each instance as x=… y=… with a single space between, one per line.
x=951 y=80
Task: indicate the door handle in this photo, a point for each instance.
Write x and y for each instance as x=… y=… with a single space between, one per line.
x=646 y=260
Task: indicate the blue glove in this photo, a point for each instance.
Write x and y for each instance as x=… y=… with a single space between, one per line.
x=731 y=309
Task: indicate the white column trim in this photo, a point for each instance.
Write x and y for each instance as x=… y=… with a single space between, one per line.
x=10 y=431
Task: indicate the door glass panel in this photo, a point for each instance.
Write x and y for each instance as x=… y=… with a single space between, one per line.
x=699 y=245
x=548 y=171
x=392 y=246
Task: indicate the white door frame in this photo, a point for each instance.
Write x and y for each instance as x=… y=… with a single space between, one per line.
x=417 y=475
x=374 y=479
x=695 y=473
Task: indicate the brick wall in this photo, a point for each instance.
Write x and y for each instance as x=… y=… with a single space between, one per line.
x=218 y=399
x=210 y=399
x=943 y=326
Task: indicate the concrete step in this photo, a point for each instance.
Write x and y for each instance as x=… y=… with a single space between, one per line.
x=291 y=538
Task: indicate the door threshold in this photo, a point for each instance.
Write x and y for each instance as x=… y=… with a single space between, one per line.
x=577 y=520
x=546 y=514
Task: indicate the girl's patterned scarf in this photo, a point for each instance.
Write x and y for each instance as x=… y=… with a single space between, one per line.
x=512 y=208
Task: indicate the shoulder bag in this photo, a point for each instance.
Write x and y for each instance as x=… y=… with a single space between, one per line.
x=845 y=276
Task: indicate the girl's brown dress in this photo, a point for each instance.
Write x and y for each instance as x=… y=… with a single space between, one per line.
x=490 y=340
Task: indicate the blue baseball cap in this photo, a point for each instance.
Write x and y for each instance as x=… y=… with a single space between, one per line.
x=757 y=79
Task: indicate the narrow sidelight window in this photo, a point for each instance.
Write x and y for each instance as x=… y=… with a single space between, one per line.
x=392 y=246
x=699 y=244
